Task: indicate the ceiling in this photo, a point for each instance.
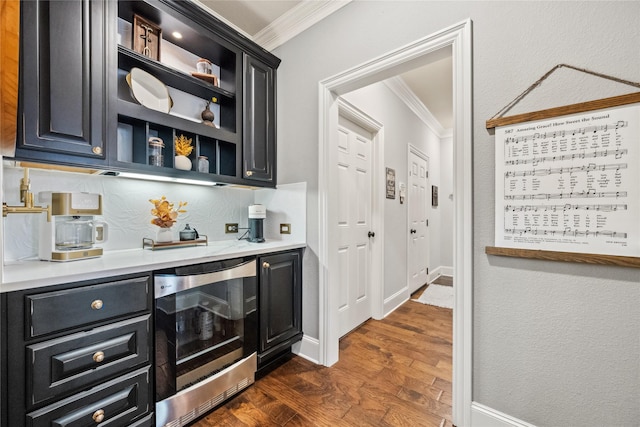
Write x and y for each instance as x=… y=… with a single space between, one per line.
x=270 y=23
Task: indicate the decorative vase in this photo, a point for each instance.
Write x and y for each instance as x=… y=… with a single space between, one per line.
x=207 y=115
x=183 y=163
x=164 y=235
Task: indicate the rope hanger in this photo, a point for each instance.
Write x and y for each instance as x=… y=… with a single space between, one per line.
x=520 y=97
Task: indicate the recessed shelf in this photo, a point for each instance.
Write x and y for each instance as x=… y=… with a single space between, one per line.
x=137 y=111
x=128 y=59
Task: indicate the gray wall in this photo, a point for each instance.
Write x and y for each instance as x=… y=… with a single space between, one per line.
x=554 y=343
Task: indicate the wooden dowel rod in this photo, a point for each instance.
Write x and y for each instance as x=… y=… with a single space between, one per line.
x=582 y=107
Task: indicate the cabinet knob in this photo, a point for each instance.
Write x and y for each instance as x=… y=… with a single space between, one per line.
x=97 y=304
x=98 y=356
x=98 y=416
x=266 y=265
x=97 y=150
x=249 y=173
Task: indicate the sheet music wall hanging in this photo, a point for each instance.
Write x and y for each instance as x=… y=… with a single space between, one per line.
x=568 y=179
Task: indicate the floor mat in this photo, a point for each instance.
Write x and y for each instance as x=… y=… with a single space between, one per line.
x=438 y=295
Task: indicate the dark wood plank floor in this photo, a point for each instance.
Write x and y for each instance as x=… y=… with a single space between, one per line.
x=393 y=372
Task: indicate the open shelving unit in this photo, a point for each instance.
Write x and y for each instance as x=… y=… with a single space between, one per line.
x=222 y=145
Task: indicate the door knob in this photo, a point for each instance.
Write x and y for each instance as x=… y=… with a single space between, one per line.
x=371 y=234
x=413 y=231
x=266 y=265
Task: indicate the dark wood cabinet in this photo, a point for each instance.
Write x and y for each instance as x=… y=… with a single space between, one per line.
x=118 y=403
x=65 y=360
x=62 y=91
x=77 y=107
x=280 y=296
x=85 y=305
x=73 y=361
x=259 y=136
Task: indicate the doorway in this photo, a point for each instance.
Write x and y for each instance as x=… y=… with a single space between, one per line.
x=458 y=37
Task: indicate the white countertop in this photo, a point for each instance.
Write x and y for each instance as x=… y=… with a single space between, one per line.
x=34 y=274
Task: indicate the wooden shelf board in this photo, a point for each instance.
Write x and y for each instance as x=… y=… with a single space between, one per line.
x=140 y=112
x=582 y=107
x=620 y=261
x=164 y=72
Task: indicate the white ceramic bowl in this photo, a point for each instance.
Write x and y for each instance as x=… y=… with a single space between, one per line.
x=149 y=91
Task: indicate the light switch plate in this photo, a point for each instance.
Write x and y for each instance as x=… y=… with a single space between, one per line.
x=285 y=228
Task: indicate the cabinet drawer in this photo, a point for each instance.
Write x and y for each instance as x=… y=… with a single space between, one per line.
x=62 y=365
x=119 y=402
x=55 y=311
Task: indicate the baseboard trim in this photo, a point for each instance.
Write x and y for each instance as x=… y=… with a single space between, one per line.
x=439 y=271
x=483 y=416
x=395 y=301
x=307 y=348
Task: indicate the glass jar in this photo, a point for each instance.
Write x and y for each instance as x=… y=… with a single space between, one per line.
x=155 y=151
x=203 y=66
x=203 y=164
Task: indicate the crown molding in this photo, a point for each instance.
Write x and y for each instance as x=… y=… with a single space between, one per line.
x=295 y=21
x=406 y=95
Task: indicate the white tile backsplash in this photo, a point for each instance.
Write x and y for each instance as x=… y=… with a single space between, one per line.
x=127 y=210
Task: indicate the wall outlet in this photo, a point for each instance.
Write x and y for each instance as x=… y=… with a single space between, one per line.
x=285 y=228
x=231 y=228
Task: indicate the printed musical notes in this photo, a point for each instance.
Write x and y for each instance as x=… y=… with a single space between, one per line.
x=565 y=232
x=562 y=133
x=617 y=154
x=564 y=208
x=570 y=183
x=577 y=195
x=573 y=169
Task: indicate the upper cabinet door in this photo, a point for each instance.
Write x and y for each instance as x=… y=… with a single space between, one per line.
x=259 y=127
x=62 y=78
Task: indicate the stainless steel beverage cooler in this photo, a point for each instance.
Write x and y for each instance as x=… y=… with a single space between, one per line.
x=206 y=337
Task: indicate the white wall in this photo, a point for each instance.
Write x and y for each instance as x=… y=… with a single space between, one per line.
x=554 y=343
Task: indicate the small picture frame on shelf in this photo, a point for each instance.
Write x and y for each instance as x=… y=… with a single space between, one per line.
x=146 y=37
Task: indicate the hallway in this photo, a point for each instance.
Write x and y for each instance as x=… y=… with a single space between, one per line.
x=394 y=372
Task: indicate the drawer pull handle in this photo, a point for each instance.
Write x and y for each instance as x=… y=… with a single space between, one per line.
x=98 y=416
x=97 y=304
x=266 y=265
x=249 y=173
x=98 y=356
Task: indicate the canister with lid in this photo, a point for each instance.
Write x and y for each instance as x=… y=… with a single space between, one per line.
x=155 y=151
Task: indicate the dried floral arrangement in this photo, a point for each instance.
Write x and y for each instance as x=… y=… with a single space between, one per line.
x=164 y=212
x=183 y=145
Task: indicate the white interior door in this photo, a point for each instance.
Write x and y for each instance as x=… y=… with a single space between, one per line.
x=418 y=221
x=354 y=173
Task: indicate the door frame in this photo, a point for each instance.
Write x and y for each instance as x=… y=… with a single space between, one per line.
x=362 y=119
x=459 y=37
x=412 y=149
